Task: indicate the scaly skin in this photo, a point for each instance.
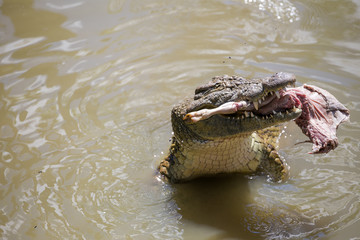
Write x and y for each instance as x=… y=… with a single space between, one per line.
x=244 y=154
x=242 y=140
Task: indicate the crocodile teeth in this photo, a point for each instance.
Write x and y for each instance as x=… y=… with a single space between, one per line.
x=247 y=114
x=251 y=114
x=256 y=105
x=274 y=112
x=277 y=94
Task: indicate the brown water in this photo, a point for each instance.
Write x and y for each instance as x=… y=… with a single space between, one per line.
x=86 y=92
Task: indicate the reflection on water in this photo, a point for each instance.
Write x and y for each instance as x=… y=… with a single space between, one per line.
x=86 y=91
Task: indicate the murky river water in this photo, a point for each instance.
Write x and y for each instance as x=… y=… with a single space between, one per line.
x=86 y=91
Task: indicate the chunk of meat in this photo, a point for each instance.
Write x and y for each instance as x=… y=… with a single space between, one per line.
x=321 y=115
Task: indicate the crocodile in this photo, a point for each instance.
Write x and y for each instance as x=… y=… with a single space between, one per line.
x=232 y=125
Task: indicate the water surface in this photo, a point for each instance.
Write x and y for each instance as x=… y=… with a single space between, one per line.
x=86 y=91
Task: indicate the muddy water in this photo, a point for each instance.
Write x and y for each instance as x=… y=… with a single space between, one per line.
x=86 y=91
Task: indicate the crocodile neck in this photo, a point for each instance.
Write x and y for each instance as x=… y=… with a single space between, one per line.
x=189 y=159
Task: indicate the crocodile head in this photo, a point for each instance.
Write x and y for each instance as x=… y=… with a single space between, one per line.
x=229 y=106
